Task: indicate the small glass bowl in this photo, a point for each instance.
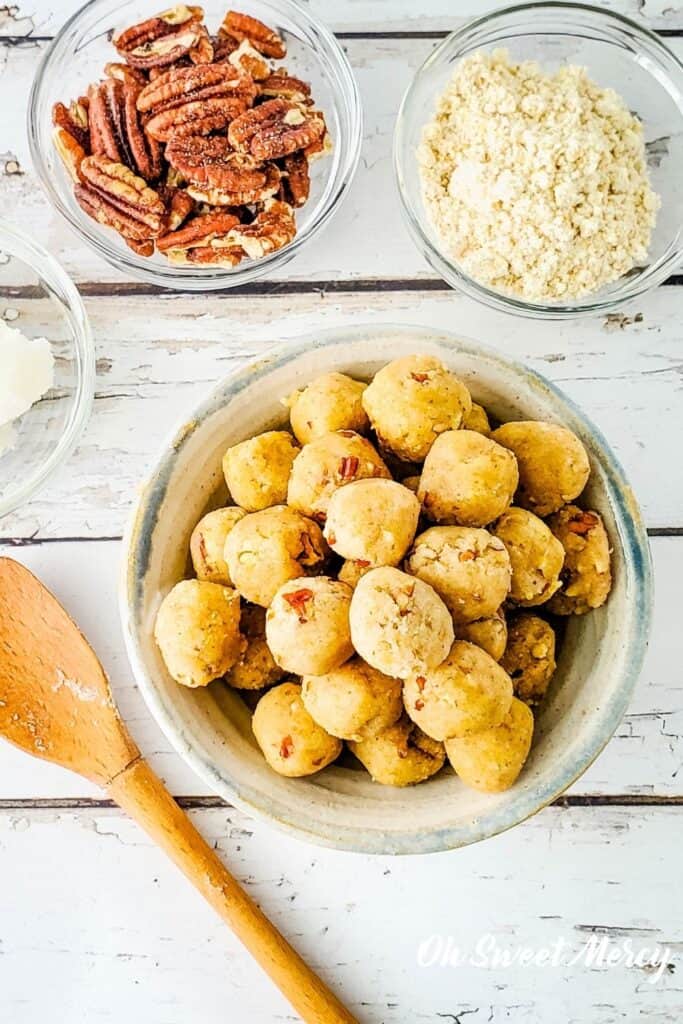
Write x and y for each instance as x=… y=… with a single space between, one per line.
x=39 y=299
x=77 y=57
x=617 y=53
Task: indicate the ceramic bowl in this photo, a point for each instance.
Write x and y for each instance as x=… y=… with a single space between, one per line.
x=341 y=807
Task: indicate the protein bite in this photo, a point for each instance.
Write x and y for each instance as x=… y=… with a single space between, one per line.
x=197 y=630
x=291 y=742
x=467 y=567
x=553 y=463
x=535 y=555
x=399 y=624
x=411 y=401
x=400 y=755
x=307 y=625
x=257 y=470
x=255 y=668
x=477 y=419
x=372 y=521
x=207 y=544
x=529 y=657
x=467 y=479
x=267 y=548
x=586 y=577
x=354 y=701
x=466 y=693
x=329 y=462
x=329 y=403
x=491 y=760
x=490 y=634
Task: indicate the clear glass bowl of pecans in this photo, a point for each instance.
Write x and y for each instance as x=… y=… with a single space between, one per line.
x=197 y=147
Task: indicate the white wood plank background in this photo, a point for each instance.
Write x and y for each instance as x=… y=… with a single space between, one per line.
x=93 y=924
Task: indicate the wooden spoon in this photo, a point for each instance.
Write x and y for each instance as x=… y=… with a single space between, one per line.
x=55 y=703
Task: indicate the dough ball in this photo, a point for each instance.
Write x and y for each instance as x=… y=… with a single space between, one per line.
x=372 y=521
x=535 y=555
x=267 y=548
x=307 y=625
x=468 y=568
x=466 y=693
x=327 y=463
x=492 y=760
x=198 y=631
x=411 y=401
x=354 y=701
x=586 y=578
x=399 y=624
x=292 y=743
x=553 y=463
x=400 y=755
x=330 y=402
x=477 y=419
x=207 y=544
x=529 y=657
x=467 y=479
x=412 y=483
x=257 y=471
x=256 y=668
x=351 y=571
x=491 y=634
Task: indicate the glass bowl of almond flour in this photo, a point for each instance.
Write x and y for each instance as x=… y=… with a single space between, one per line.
x=538 y=154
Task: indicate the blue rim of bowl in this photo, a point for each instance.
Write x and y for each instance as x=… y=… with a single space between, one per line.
x=178 y=278
x=632 y=534
x=446 y=268
x=52 y=272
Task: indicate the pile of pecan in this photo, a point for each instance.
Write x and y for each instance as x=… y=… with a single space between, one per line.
x=194 y=145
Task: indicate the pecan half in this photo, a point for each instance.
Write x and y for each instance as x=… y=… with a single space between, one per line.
x=106 y=119
x=285 y=86
x=191 y=84
x=104 y=212
x=125 y=191
x=125 y=73
x=242 y=26
x=198 y=232
x=213 y=162
x=161 y=40
x=275 y=129
x=74 y=120
x=202 y=51
x=249 y=60
x=271 y=229
x=206 y=256
x=348 y=467
x=296 y=180
x=143 y=147
x=180 y=206
x=70 y=152
x=200 y=117
x=241 y=197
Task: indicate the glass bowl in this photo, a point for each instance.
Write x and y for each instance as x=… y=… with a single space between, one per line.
x=38 y=298
x=617 y=53
x=77 y=57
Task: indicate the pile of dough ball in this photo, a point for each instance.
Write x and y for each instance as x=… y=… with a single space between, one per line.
x=382 y=578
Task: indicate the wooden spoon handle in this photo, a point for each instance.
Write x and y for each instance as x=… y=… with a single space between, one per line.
x=143 y=795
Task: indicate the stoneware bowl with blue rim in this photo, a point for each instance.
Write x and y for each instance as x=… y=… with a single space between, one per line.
x=598 y=665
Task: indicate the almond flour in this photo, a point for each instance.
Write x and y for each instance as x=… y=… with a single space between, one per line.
x=536 y=183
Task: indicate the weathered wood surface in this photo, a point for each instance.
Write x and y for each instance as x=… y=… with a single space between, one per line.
x=97 y=926
x=45 y=17
x=628 y=380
